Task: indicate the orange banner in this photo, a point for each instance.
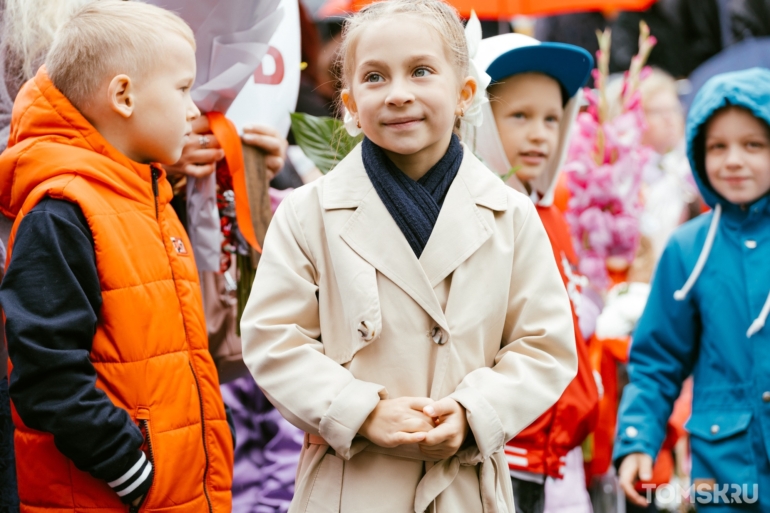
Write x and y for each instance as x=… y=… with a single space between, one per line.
x=505 y=8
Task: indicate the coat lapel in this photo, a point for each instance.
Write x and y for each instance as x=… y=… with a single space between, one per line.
x=373 y=234
x=462 y=227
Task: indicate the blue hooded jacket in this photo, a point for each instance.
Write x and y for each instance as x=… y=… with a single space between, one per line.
x=706 y=316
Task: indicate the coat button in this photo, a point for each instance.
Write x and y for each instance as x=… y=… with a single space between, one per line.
x=751 y=244
x=632 y=432
x=766 y=397
x=437 y=334
x=714 y=429
x=366 y=330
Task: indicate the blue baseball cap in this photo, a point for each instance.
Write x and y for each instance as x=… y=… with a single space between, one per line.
x=510 y=54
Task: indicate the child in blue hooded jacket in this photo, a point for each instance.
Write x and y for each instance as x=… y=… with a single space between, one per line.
x=707 y=311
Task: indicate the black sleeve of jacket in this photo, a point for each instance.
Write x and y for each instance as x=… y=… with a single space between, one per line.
x=52 y=298
x=750 y=18
x=672 y=51
x=701 y=29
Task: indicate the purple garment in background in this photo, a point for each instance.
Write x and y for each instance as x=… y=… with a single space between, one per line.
x=267 y=450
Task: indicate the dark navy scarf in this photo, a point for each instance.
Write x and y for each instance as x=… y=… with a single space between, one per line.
x=413 y=205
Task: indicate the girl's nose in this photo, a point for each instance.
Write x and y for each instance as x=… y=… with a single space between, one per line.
x=399 y=93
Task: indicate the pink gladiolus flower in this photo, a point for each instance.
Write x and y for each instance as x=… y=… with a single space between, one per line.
x=594 y=268
x=604 y=207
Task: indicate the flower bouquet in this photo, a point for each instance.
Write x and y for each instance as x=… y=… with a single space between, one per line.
x=604 y=169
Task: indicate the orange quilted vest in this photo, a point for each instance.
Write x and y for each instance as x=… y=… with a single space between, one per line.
x=150 y=349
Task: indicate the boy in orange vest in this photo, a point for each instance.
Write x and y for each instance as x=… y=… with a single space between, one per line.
x=115 y=396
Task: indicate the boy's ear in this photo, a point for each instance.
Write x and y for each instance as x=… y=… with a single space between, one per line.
x=467 y=92
x=121 y=95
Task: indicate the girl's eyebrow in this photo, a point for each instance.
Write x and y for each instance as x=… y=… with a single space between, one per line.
x=373 y=63
x=423 y=57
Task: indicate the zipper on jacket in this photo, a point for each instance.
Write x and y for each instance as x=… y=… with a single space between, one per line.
x=155 y=175
x=203 y=433
x=144 y=425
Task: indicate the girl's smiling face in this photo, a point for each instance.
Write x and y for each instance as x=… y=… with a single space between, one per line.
x=405 y=92
x=738 y=156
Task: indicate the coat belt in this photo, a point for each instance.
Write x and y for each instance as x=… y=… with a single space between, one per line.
x=441 y=473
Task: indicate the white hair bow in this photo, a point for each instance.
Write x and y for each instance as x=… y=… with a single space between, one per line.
x=351 y=125
x=474 y=115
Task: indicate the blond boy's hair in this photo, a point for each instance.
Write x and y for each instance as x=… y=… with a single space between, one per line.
x=107 y=38
x=434 y=13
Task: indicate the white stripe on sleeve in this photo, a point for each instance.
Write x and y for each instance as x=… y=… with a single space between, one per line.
x=139 y=481
x=133 y=470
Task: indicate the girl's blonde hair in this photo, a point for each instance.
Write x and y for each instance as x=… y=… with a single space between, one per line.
x=436 y=13
x=110 y=37
x=29 y=27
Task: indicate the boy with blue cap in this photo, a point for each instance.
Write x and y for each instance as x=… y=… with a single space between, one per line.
x=707 y=311
x=534 y=98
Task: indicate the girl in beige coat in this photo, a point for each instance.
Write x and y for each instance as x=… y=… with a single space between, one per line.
x=407 y=313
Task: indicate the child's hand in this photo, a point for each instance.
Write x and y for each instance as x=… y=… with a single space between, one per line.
x=635 y=466
x=397 y=422
x=270 y=142
x=451 y=429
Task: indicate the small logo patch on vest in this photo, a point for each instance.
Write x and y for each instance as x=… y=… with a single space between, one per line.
x=179 y=246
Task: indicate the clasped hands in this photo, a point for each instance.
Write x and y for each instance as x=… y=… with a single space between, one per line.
x=439 y=427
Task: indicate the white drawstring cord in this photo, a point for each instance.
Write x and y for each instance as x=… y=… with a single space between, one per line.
x=680 y=294
x=759 y=322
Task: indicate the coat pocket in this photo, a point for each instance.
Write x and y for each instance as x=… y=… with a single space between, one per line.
x=327 y=486
x=722 y=455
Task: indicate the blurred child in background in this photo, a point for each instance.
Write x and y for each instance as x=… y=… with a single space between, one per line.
x=707 y=311
x=534 y=97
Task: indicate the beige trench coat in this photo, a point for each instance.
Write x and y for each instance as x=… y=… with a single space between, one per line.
x=342 y=314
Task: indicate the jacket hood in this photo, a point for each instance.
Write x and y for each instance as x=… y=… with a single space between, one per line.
x=515 y=53
x=747 y=89
x=49 y=137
